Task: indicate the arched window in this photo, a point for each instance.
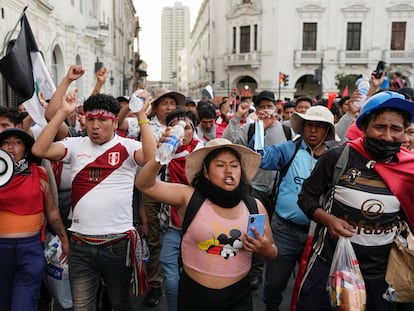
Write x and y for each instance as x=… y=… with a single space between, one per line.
x=54 y=72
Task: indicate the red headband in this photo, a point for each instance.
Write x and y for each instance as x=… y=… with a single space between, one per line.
x=100 y=113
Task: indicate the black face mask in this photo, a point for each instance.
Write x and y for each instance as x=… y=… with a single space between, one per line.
x=223 y=198
x=380 y=149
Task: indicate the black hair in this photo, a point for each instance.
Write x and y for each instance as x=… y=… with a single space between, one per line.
x=343 y=100
x=304 y=98
x=202 y=103
x=289 y=105
x=376 y=113
x=206 y=112
x=11 y=114
x=102 y=101
x=408 y=92
x=181 y=114
x=336 y=111
x=211 y=156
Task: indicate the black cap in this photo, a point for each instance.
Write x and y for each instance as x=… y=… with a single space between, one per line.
x=265 y=95
x=123 y=98
x=190 y=101
x=27 y=140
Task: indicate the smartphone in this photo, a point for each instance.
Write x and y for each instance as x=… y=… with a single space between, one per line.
x=98 y=65
x=257 y=221
x=380 y=69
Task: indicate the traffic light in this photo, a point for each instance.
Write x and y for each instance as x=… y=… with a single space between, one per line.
x=286 y=82
x=281 y=78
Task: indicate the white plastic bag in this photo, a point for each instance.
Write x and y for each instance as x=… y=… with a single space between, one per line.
x=346 y=285
x=57 y=278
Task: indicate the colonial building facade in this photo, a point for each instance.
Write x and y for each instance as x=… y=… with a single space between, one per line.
x=259 y=44
x=80 y=32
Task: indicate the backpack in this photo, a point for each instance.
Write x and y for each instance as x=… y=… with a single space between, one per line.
x=286 y=130
x=339 y=169
x=282 y=173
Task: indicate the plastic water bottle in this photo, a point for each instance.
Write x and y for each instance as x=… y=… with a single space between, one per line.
x=50 y=252
x=363 y=88
x=136 y=102
x=166 y=151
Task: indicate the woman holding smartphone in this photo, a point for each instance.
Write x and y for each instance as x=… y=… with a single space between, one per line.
x=216 y=250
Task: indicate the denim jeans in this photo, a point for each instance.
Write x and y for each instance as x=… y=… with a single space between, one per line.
x=89 y=264
x=22 y=267
x=290 y=241
x=170 y=251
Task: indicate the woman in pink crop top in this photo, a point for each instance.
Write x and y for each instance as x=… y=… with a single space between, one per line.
x=221 y=172
x=24 y=200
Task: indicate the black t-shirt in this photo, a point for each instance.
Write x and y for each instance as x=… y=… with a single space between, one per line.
x=363 y=199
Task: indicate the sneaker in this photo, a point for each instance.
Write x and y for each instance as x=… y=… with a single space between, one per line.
x=153 y=297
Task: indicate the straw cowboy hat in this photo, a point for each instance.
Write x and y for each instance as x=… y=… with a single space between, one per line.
x=250 y=160
x=179 y=98
x=315 y=114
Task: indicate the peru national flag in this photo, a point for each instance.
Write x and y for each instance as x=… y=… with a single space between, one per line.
x=25 y=71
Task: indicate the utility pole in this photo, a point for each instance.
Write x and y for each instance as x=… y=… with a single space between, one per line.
x=321 y=75
x=228 y=84
x=281 y=81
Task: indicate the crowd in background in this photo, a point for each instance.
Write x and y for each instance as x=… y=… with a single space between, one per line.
x=99 y=171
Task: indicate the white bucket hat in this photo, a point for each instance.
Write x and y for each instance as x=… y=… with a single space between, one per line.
x=317 y=114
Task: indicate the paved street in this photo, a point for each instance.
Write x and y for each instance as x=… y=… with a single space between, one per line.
x=257 y=301
x=139 y=305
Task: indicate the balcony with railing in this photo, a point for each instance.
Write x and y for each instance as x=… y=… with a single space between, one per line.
x=303 y=57
x=242 y=59
x=348 y=57
x=398 y=57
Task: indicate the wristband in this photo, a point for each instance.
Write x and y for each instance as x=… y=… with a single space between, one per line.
x=145 y=121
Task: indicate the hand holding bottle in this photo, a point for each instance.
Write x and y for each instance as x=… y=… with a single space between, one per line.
x=167 y=149
x=363 y=88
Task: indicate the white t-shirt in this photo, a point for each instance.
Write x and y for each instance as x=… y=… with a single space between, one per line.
x=102 y=183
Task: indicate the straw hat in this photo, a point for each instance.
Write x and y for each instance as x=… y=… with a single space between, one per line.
x=317 y=114
x=179 y=98
x=250 y=160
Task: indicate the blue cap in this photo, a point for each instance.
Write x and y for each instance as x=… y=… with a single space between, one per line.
x=386 y=99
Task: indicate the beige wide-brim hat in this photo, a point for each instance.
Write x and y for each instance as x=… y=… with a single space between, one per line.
x=250 y=160
x=317 y=114
x=179 y=98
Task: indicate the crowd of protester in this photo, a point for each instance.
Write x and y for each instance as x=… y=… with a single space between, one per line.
x=92 y=171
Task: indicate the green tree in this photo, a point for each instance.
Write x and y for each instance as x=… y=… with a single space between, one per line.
x=343 y=80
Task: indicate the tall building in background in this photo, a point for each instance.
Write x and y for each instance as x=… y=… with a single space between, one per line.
x=175 y=33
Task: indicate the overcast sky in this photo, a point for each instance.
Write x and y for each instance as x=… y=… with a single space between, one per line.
x=149 y=12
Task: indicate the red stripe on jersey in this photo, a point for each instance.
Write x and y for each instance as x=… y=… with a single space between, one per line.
x=96 y=172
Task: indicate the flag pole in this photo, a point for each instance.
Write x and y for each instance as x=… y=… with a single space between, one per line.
x=8 y=36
